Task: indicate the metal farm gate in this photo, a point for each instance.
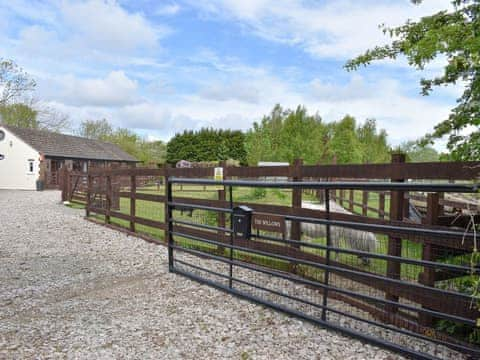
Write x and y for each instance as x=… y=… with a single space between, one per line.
x=344 y=276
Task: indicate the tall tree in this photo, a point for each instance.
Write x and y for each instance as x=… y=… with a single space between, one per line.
x=206 y=145
x=455 y=35
x=152 y=152
x=20 y=115
x=374 y=145
x=285 y=135
x=95 y=129
x=344 y=144
x=15 y=83
x=18 y=108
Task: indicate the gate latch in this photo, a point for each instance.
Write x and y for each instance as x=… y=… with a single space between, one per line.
x=242 y=222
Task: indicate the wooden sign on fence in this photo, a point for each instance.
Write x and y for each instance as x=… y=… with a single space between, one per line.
x=269 y=222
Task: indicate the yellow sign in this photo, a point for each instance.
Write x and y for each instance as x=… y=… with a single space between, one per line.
x=218 y=176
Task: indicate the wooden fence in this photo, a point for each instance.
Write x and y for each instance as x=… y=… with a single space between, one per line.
x=104 y=190
x=110 y=185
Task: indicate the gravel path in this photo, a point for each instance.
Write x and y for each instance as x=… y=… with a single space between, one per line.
x=73 y=289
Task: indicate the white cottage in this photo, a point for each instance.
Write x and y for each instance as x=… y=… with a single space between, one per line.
x=28 y=155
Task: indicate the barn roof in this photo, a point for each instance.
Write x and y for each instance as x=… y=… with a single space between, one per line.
x=67 y=146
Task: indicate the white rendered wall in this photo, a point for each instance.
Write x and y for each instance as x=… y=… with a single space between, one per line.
x=14 y=168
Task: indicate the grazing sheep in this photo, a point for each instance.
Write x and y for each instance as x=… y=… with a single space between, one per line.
x=354 y=239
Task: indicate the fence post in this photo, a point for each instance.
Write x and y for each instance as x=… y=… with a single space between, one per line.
x=63 y=182
x=133 y=198
x=351 y=206
x=365 y=203
x=89 y=195
x=342 y=197
x=296 y=175
x=221 y=216
x=69 y=185
x=167 y=211
x=427 y=277
x=108 y=195
x=395 y=243
x=168 y=223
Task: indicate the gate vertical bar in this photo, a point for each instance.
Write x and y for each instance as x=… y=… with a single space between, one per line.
x=221 y=216
x=169 y=224
x=231 y=236
x=327 y=260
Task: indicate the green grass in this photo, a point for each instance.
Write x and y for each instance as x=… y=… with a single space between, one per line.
x=155 y=211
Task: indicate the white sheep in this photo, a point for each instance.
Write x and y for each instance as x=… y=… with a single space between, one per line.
x=354 y=239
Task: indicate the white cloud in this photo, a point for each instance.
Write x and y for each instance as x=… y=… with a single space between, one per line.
x=339 y=29
x=241 y=91
x=77 y=33
x=405 y=117
x=168 y=9
x=116 y=89
x=107 y=25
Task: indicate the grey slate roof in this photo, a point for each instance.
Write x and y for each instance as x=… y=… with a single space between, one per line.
x=68 y=146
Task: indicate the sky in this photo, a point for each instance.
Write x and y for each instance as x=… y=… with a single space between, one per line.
x=161 y=66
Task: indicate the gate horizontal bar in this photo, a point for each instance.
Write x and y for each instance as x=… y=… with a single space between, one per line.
x=380 y=227
x=183 y=206
x=389 y=186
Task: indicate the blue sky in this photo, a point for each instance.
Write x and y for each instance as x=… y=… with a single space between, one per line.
x=159 y=67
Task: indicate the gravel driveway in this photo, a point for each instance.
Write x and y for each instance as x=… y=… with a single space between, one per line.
x=73 y=289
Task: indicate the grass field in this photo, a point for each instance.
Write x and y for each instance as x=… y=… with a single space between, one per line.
x=155 y=211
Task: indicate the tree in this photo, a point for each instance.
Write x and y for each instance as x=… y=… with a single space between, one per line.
x=14 y=82
x=52 y=119
x=455 y=35
x=374 y=145
x=417 y=153
x=20 y=115
x=18 y=109
x=126 y=139
x=344 y=143
x=148 y=152
x=152 y=152
x=285 y=135
x=95 y=129
x=207 y=145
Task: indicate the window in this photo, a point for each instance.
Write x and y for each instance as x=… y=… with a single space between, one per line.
x=31 y=164
x=2 y=135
